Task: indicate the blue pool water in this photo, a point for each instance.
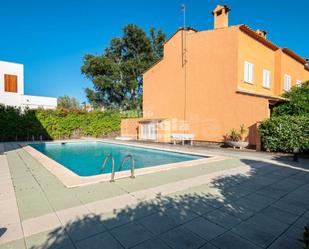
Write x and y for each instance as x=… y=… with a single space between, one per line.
x=86 y=158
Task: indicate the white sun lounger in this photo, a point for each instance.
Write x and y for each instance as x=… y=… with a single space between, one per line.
x=182 y=138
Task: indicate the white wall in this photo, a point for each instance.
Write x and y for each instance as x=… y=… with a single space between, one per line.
x=19 y=99
x=34 y=102
x=14 y=69
x=12 y=99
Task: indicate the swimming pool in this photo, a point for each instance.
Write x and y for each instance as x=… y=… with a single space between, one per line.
x=86 y=158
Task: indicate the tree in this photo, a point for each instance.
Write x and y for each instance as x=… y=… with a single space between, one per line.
x=68 y=102
x=298 y=101
x=117 y=73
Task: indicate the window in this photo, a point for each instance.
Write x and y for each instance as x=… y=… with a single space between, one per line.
x=10 y=83
x=148 y=131
x=298 y=83
x=266 y=78
x=287 y=82
x=248 y=72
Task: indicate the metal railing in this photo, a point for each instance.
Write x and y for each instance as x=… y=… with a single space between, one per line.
x=124 y=159
x=113 y=166
x=127 y=157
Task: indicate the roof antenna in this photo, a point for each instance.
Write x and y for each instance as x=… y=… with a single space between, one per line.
x=184 y=62
x=183 y=9
x=184 y=45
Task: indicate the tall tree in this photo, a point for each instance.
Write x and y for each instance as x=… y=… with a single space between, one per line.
x=117 y=73
x=68 y=102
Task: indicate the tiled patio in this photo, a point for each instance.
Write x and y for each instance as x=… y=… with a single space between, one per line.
x=248 y=200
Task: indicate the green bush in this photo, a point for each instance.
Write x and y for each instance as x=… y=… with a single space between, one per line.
x=56 y=124
x=285 y=133
x=297 y=104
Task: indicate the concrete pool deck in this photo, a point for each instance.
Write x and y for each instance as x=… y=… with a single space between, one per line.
x=248 y=200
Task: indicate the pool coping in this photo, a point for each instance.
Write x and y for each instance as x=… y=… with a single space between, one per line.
x=70 y=180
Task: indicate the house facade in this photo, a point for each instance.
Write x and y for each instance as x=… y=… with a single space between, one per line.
x=211 y=81
x=12 y=89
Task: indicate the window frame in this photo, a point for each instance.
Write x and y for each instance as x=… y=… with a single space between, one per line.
x=249 y=72
x=287 y=84
x=149 y=131
x=9 y=87
x=268 y=83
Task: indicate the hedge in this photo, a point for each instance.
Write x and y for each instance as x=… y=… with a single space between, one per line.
x=56 y=124
x=285 y=133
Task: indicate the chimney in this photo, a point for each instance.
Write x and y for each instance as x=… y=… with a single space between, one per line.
x=261 y=33
x=221 y=18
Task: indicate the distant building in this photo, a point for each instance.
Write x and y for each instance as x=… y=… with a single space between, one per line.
x=12 y=89
x=211 y=81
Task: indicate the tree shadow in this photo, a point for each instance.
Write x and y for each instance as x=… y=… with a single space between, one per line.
x=2 y=231
x=221 y=194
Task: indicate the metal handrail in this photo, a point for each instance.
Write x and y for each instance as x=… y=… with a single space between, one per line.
x=132 y=167
x=113 y=166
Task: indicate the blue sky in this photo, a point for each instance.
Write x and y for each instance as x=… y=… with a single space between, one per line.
x=50 y=37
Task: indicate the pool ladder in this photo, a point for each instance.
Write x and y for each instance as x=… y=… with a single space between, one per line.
x=124 y=159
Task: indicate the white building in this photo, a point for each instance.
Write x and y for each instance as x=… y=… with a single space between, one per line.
x=12 y=89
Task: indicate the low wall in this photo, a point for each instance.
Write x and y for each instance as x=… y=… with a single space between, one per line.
x=34 y=102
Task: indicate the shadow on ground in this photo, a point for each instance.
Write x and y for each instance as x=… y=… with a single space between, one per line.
x=2 y=231
x=266 y=208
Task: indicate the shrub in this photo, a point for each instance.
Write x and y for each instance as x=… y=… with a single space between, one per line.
x=298 y=101
x=285 y=133
x=235 y=135
x=56 y=124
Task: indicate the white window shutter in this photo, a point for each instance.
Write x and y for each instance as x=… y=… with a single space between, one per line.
x=266 y=78
x=287 y=82
x=248 y=72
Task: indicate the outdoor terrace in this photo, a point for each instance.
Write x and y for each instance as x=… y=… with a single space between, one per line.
x=247 y=200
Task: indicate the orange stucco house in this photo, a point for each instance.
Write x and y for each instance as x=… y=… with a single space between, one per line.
x=211 y=81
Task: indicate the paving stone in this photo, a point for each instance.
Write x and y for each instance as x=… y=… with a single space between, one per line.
x=285 y=242
x=237 y=210
x=198 y=207
x=16 y=244
x=79 y=224
x=131 y=234
x=61 y=201
x=230 y=240
x=208 y=246
x=180 y=215
x=111 y=220
x=301 y=176
x=302 y=222
x=251 y=185
x=181 y=238
x=256 y=201
x=103 y=240
x=158 y=223
x=261 y=230
x=152 y=244
x=272 y=192
x=292 y=206
x=223 y=219
x=235 y=193
x=52 y=239
x=299 y=195
x=204 y=228
x=295 y=232
x=279 y=214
